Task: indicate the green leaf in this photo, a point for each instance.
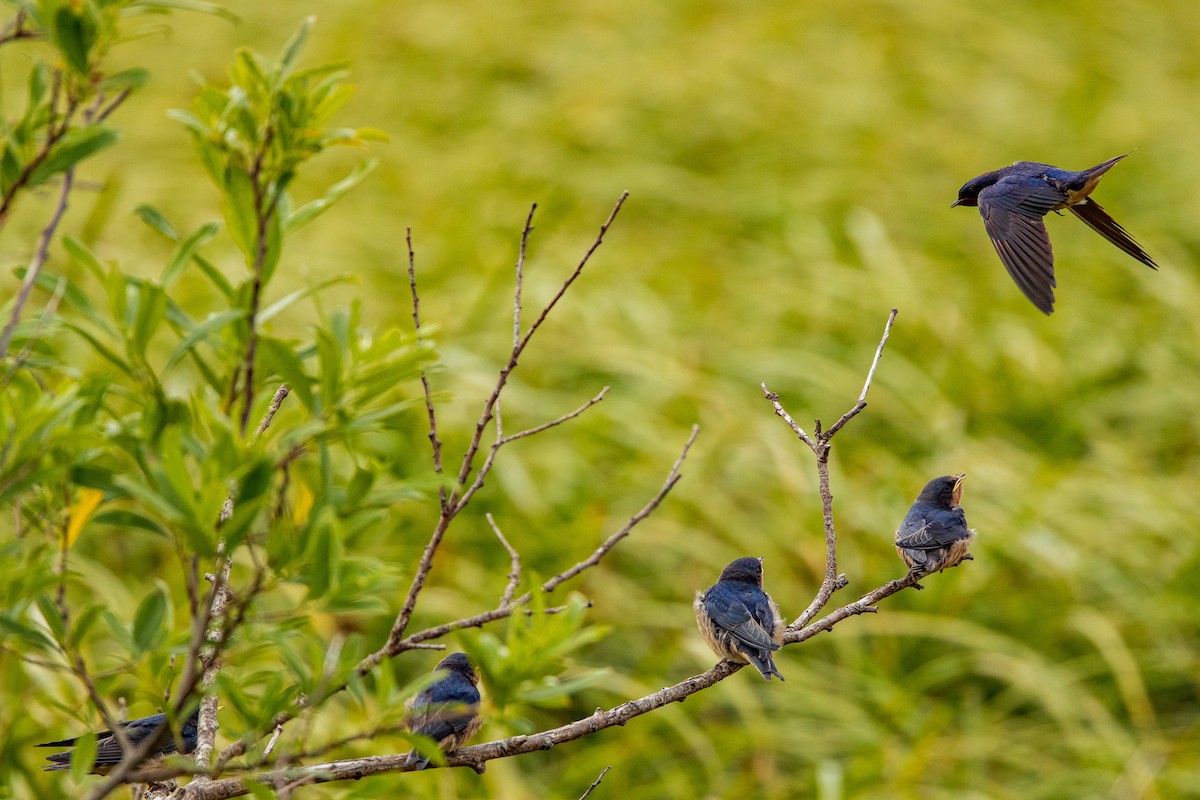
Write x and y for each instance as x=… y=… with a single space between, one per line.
x=310 y=211
x=99 y=347
x=149 y=623
x=127 y=80
x=280 y=359
x=75 y=35
x=151 y=306
x=326 y=555
x=240 y=214
x=52 y=617
x=123 y=518
x=185 y=252
x=201 y=331
x=82 y=254
x=83 y=622
x=294 y=45
x=76 y=145
x=156 y=220
x=83 y=757
x=273 y=310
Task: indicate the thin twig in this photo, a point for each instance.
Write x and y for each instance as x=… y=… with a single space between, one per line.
x=41 y=254
x=595 y=783
x=611 y=541
x=263 y=212
x=434 y=441
x=521 y=276
x=546 y=426
x=819 y=443
x=455 y=504
x=514 y=572
x=48 y=313
x=476 y=756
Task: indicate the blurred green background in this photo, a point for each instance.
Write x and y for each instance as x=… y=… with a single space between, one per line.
x=791 y=167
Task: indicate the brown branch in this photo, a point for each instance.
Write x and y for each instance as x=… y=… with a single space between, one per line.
x=263 y=212
x=434 y=441
x=514 y=572
x=595 y=783
x=611 y=541
x=41 y=254
x=218 y=632
x=525 y=232
x=819 y=443
x=455 y=503
x=417 y=640
x=476 y=756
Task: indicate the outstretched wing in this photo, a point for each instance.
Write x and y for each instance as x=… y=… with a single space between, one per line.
x=1012 y=211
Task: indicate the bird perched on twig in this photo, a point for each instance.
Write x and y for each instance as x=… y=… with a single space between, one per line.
x=1012 y=202
x=739 y=620
x=109 y=752
x=448 y=710
x=934 y=534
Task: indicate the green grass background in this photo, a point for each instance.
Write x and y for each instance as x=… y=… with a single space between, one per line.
x=790 y=169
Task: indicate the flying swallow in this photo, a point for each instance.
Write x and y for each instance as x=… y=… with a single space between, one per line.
x=448 y=710
x=739 y=620
x=934 y=534
x=108 y=747
x=1012 y=202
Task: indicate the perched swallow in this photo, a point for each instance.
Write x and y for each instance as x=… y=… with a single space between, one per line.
x=446 y=711
x=934 y=534
x=739 y=620
x=1012 y=202
x=108 y=747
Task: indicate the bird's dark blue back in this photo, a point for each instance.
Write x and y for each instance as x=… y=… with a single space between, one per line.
x=940 y=526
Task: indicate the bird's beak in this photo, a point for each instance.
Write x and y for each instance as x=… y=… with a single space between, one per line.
x=760 y=559
x=958 y=487
x=956 y=203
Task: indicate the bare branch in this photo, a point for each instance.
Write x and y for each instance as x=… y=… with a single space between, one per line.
x=595 y=783
x=455 y=504
x=276 y=401
x=647 y=509
x=514 y=573
x=416 y=315
x=819 y=443
x=564 y=418
x=476 y=756
x=41 y=254
x=521 y=277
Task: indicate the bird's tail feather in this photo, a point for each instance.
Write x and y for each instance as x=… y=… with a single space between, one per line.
x=1098 y=220
x=765 y=664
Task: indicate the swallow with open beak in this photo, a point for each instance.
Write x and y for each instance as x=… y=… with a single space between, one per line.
x=1013 y=201
x=739 y=620
x=934 y=534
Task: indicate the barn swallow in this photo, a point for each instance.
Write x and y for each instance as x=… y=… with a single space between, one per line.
x=108 y=747
x=934 y=534
x=446 y=711
x=1012 y=202
x=739 y=620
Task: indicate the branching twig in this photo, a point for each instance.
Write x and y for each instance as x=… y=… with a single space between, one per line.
x=595 y=783
x=39 y=259
x=454 y=502
x=476 y=756
x=819 y=443
x=514 y=573
x=434 y=441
